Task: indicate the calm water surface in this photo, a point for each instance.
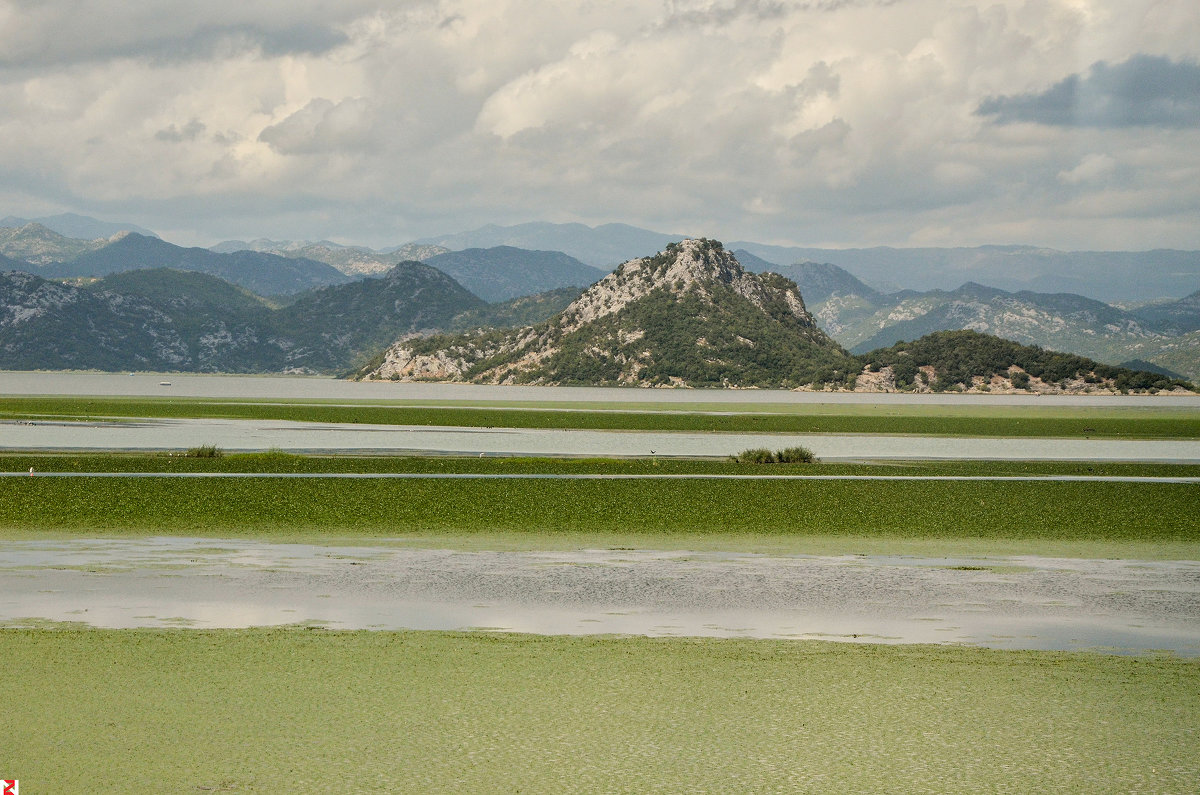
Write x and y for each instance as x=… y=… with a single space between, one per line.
x=313 y=387
x=342 y=437
x=1013 y=603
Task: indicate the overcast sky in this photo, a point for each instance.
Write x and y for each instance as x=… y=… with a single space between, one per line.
x=1067 y=123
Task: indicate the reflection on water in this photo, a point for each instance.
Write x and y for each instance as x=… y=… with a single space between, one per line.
x=316 y=387
x=1022 y=602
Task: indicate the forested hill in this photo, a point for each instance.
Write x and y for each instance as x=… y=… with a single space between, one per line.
x=968 y=360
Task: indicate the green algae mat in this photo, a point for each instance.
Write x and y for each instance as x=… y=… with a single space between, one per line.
x=295 y=709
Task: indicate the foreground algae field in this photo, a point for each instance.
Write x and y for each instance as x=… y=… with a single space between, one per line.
x=296 y=709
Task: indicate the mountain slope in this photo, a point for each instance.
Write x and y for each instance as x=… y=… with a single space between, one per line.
x=161 y=319
x=47 y=325
x=689 y=316
x=330 y=328
x=1172 y=317
x=40 y=245
x=265 y=274
x=501 y=273
x=1060 y=321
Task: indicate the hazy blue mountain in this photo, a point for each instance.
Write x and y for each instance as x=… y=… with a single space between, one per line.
x=1151 y=367
x=80 y=227
x=820 y=281
x=1059 y=321
x=265 y=274
x=603 y=246
x=1175 y=317
x=354 y=261
x=504 y=272
x=1103 y=275
x=419 y=252
x=13 y=264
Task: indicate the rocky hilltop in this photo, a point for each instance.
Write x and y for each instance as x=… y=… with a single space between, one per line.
x=688 y=316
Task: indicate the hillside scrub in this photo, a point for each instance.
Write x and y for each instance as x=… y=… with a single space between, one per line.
x=959 y=357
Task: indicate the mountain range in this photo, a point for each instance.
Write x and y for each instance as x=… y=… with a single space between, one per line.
x=162 y=319
x=46 y=253
x=692 y=316
x=77 y=226
x=1163 y=333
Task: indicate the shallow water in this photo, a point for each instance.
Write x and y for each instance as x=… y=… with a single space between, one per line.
x=1012 y=603
x=315 y=387
x=180 y=434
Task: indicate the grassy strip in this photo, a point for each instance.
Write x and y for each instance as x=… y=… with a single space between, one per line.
x=277 y=709
x=1155 y=423
x=643 y=509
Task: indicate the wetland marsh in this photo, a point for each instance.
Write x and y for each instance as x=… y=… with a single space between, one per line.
x=715 y=589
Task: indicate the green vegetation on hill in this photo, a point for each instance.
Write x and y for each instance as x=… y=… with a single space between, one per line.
x=957 y=357
x=191 y=290
x=164 y=319
x=718 y=339
x=526 y=310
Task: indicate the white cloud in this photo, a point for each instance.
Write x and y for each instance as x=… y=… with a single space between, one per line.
x=810 y=122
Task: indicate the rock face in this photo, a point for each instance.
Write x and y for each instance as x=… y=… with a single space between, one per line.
x=688 y=316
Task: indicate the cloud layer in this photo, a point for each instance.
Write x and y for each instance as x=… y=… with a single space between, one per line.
x=1145 y=91
x=1061 y=122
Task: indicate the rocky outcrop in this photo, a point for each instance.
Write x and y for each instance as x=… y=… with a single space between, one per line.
x=688 y=316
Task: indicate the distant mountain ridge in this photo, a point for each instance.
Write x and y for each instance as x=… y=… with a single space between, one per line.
x=1102 y=275
x=354 y=261
x=603 y=246
x=81 y=227
x=504 y=272
x=265 y=274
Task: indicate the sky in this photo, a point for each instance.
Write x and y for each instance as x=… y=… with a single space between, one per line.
x=1073 y=124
